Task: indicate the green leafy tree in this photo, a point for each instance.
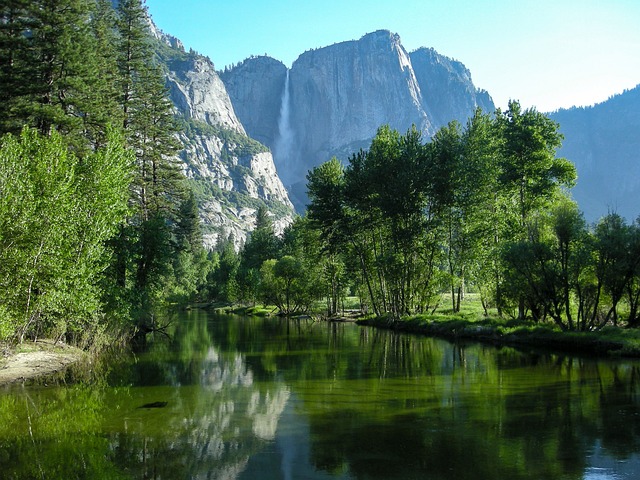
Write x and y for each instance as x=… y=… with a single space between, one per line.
x=615 y=267
x=385 y=203
x=326 y=216
x=633 y=286
x=221 y=280
x=450 y=191
x=56 y=215
x=325 y=189
x=529 y=168
x=483 y=210
x=548 y=268
x=262 y=244
x=530 y=174
x=286 y=284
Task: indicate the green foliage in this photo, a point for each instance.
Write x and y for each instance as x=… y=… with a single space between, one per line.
x=56 y=213
x=285 y=283
x=529 y=169
x=86 y=230
x=480 y=207
x=286 y=271
x=221 y=279
x=56 y=77
x=325 y=188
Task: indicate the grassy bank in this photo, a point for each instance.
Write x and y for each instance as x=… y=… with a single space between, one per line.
x=472 y=324
x=610 y=341
x=233 y=309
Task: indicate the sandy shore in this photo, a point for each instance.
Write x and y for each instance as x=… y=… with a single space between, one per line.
x=36 y=359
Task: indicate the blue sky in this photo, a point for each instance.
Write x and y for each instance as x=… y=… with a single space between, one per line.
x=545 y=53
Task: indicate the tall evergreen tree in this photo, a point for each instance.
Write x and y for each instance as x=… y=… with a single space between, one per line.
x=104 y=102
x=148 y=121
x=150 y=130
x=187 y=230
x=17 y=64
x=50 y=76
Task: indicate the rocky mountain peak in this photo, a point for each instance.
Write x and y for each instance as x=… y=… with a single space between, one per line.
x=260 y=82
x=165 y=38
x=448 y=92
x=231 y=173
x=338 y=96
x=199 y=93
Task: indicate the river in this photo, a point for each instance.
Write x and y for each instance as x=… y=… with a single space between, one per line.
x=266 y=398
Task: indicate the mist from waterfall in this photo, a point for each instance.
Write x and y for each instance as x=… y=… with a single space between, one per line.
x=284 y=143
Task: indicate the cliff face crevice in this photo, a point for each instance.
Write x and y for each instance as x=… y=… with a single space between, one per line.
x=341 y=94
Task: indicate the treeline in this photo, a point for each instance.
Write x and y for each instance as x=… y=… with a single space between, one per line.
x=407 y=223
x=98 y=230
x=97 y=227
x=482 y=207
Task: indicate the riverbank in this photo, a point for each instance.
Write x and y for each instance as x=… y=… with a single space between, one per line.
x=610 y=341
x=36 y=359
x=472 y=325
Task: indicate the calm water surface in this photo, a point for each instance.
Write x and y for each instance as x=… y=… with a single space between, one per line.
x=278 y=399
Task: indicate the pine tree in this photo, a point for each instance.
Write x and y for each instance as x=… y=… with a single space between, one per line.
x=188 y=233
x=102 y=101
x=16 y=66
x=149 y=122
x=150 y=130
x=50 y=77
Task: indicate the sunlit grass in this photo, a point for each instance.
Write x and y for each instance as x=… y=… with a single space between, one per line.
x=472 y=323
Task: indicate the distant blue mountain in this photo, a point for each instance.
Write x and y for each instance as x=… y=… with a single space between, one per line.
x=604 y=143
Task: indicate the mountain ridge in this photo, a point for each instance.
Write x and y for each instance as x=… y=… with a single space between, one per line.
x=603 y=141
x=336 y=105
x=341 y=94
x=232 y=174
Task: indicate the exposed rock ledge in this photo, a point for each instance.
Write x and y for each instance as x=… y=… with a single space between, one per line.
x=42 y=358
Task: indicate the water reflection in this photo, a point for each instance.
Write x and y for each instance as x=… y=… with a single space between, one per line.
x=216 y=417
x=271 y=398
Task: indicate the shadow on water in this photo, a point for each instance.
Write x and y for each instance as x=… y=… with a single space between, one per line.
x=230 y=397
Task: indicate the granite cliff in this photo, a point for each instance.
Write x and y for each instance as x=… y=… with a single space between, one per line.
x=333 y=100
x=447 y=90
x=260 y=82
x=231 y=173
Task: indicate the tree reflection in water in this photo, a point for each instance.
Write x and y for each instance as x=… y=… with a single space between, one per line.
x=276 y=398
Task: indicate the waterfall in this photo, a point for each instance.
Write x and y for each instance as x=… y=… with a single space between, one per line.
x=284 y=143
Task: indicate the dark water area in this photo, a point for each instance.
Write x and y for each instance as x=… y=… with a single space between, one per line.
x=249 y=398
